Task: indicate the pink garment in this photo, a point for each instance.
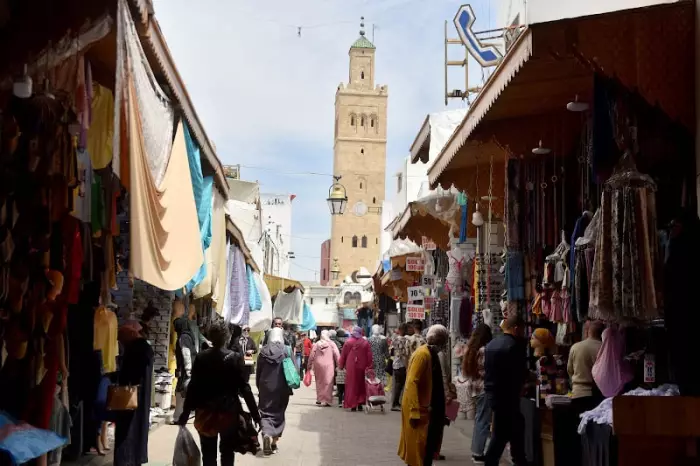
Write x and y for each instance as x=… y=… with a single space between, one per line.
x=610 y=371
x=356 y=359
x=322 y=361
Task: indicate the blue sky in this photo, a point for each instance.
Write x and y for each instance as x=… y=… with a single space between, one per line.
x=265 y=95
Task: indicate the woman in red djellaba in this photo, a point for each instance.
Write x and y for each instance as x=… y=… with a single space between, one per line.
x=356 y=358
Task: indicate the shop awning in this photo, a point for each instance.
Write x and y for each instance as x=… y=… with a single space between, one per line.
x=435 y=216
x=276 y=284
x=525 y=99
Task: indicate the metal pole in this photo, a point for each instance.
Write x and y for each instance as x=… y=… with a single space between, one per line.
x=446 y=63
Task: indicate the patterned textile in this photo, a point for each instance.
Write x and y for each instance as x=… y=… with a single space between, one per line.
x=380 y=351
x=238 y=309
x=551 y=376
x=515 y=276
x=415 y=342
x=254 y=299
x=402 y=351
x=476 y=384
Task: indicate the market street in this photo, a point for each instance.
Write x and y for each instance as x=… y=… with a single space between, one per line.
x=327 y=436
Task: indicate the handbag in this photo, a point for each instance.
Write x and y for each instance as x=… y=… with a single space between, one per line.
x=389 y=368
x=122 y=397
x=210 y=422
x=307 y=378
x=291 y=374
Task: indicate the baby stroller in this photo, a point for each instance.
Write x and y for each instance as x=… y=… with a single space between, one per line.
x=376 y=399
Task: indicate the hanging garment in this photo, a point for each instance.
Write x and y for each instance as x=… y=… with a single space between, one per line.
x=166 y=249
x=254 y=299
x=308 y=322
x=101 y=133
x=82 y=194
x=262 y=319
x=215 y=255
x=611 y=371
x=237 y=311
x=105 y=339
x=289 y=307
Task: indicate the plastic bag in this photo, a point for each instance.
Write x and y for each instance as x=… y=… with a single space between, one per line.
x=24 y=442
x=307 y=378
x=186 y=451
x=611 y=372
x=291 y=373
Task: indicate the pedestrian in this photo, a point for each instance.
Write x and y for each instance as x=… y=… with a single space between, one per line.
x=299 y=353
x=248 y=348
x=339 y=341
x=585 y=393
x=131 y=427
x=273 y=390
x=308 y=345
x=505 y=374
x=380 y=352
x=356 y=358
x=415 y=339
x=440 y=346
x=185 y=353
x=217 y=383
x=401 y=350
x=423 y=404
x=473 y=371
x=322 y=361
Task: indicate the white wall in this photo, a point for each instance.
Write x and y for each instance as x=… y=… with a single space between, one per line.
x=324 y=313
x=541 y=11
x=277 y=221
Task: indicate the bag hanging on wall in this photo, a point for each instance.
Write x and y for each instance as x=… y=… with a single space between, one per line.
x=122 y=397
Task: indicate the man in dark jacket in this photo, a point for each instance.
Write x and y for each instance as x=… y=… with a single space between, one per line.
x=505 y=375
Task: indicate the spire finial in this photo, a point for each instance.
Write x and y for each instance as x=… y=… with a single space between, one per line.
x=362 y=26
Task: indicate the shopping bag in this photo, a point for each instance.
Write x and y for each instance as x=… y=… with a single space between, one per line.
x=451 y=410
x=24 y=442
x=291 y=374
x=186 y=451
x=611 y=372
x=307 y=378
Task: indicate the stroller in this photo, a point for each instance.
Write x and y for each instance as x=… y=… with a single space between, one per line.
x=376 y=398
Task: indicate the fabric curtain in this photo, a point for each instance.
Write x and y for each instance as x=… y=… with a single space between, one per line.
x=237 y=310
x=166 y=249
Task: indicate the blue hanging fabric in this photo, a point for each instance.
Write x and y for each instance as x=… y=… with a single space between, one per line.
x=203 y=189
x=462 y=201
x=254 y=299
x=308 y=322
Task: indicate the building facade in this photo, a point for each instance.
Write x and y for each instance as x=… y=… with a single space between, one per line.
x=360 y=159
x=325 y=277
x=277 y=232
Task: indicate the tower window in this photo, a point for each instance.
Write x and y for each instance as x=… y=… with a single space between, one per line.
x=362 y=75
x=376 y=241
x=341 y=239
x=311 y=300
x=374 y=200
x=371 y=122
x=362 y=121
x=360 y=184
x=362 y=151
x=326 y=300
x=364 y=241
x=354 y=241
x=352 y=120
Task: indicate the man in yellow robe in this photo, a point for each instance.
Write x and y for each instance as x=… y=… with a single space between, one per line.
x=416 y=446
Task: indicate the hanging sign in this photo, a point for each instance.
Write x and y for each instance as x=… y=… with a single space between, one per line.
x=429 y=301
x=414 y=264
x=415 y=312
x=415 y=293
x=428 y=281
x=396 y=275
x=486 y=54
x=428 y=244
x=649 y=368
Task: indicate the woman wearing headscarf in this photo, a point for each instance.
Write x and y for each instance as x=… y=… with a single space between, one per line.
x=131 y=427
x=273 y=390
x=423 y=402
x=356 y=358
x=339 y=339
x=214 y=394
x=380 y=352
x=322 y=361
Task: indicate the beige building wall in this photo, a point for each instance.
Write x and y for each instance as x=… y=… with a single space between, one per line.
x=360 y=158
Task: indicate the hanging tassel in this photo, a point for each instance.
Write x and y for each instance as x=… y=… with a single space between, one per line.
x=462 y=201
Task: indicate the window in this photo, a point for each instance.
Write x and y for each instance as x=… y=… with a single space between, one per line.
x=357 y=297
x=360 y=184
x=399 y=178
x=364 y=241
x=362 y=121
x=352 y=120
x=311 y=300
x=376 y=241
x=326 y=300
x=362 y=151
x=325 y=277
x=354 y=241
x=362 y=75
x=371 y=122
x=347 y=297
x=374 y=200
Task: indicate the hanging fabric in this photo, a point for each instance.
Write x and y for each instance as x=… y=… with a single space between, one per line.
x=308 y=322
x=238 y=310
x=254 y=299
x=262 y=319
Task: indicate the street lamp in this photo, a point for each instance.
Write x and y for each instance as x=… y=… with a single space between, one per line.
x=337 y=197
x=335 y=270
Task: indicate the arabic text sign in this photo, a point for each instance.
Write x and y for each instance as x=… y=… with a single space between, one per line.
x=415 y=312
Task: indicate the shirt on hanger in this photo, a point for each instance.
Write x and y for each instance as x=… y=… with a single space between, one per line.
x=101 y=132
x=105 y=340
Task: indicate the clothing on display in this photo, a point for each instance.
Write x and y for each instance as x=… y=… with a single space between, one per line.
x=237 y=309
x=105 y=339
x=289 y=306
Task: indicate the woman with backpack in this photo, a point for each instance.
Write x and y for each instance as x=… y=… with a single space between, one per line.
x=213 y=394
x=274 y=391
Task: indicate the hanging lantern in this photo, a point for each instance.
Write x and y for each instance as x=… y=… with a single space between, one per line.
x=335 y=270
x=477 y=218
x=577 y=106
x=541 y=150
x=337 y=197
x=22 y=87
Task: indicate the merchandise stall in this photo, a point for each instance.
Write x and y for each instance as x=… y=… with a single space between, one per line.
x=599 y=187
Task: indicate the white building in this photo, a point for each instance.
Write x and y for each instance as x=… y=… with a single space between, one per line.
x=323 y=303
x=277 y=230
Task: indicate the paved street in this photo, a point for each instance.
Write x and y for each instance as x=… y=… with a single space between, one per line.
x=327 y=436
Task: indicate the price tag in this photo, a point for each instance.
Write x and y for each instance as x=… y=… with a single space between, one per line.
x=415 y=312
x=429 y=301
x=428 y=281
x=649 y=368
x=396 y=275
x=428 y=244
x=415 y=293
x=414 y=264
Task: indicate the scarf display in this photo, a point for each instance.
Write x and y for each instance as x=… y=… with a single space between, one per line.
x=236 y=306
